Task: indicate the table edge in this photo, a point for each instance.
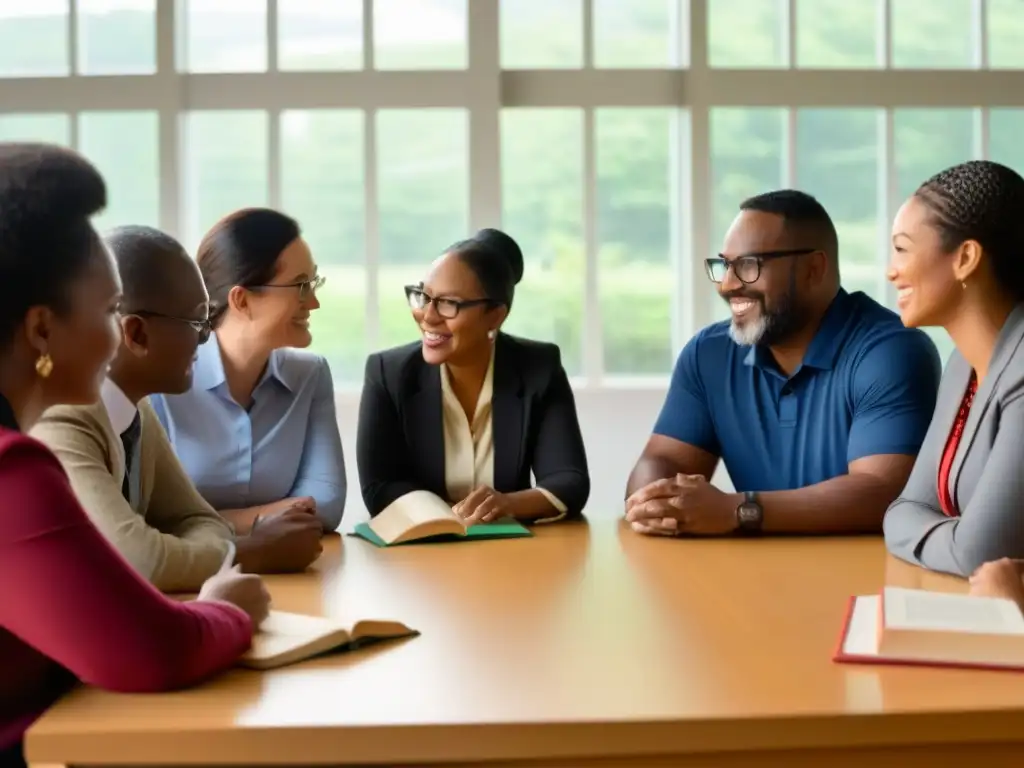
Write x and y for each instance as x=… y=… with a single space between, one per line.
x=525 y=741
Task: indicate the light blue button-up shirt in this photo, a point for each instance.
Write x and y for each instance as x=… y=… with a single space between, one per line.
x=286 y=445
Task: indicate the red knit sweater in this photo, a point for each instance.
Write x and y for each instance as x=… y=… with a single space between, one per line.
x=71 y=608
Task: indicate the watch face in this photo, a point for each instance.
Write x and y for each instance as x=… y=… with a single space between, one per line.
x=748 y=513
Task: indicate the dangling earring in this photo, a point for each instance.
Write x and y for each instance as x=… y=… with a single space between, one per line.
x=491 y=334
x=44 y=366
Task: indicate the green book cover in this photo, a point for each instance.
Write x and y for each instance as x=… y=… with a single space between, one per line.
x=505 y=529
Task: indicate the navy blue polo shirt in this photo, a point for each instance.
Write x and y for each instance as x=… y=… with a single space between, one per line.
x=867 y=386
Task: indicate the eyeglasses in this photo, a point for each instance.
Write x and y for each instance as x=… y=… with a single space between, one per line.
x=446 y=308
x=747 y=267
x=203 y=328
x=307 y=288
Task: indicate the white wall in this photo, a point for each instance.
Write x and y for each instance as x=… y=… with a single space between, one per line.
x=615 y=423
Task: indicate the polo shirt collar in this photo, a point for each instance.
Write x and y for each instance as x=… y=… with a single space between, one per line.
x=823 y=349
x=209 y=370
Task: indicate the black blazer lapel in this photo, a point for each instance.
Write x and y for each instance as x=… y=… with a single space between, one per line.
x=507 y=417
x=424 y=427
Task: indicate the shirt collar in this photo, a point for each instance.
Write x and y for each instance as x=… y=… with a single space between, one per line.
x=7 y=418
x=824 y=347
x=120 y=409
x=209 y=369
x=208 y=372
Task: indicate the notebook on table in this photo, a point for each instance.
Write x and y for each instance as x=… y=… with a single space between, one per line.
x=286 y=638
x=421 y=516
x=922 y=628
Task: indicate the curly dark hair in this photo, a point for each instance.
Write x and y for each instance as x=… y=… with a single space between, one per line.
x=47 y=196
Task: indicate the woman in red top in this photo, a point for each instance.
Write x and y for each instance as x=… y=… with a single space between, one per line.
x=958 y=263
x=70 y=607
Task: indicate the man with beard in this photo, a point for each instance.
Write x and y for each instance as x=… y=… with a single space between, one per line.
x=817 y=399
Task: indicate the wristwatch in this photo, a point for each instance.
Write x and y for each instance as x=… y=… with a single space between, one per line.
x=749 y=515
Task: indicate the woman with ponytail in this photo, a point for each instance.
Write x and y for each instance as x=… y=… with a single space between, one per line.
x=257 y=433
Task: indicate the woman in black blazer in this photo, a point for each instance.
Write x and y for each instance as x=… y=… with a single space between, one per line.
x=468 y=412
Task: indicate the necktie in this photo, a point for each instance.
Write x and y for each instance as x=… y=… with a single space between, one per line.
x=129 y=439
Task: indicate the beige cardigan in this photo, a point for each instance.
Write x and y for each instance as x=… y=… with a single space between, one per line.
x=175 y=539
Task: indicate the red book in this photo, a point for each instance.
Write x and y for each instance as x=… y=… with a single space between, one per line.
x=935 y=629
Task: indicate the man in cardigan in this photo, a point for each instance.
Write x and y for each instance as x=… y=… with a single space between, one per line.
x=119 y=459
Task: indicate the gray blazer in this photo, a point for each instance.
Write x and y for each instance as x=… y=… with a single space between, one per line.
x=987 y=477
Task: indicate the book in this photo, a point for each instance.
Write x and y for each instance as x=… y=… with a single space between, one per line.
x=286 y=638
x=919 y=627
x=422 y=516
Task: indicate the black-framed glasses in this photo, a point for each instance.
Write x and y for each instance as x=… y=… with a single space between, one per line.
x=307 y=288
x=446 y=308
x=203 y=328
x=747 y=267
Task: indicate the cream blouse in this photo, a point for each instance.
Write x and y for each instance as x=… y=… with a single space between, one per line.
x=469 y=446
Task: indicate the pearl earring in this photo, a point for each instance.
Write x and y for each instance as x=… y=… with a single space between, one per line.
x=491 y=334
x=964 y=285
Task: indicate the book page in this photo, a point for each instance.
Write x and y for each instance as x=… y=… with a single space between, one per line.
x=862 y=631
x=285 y=633
x=420 y=507
x=937 y=611
x=414 y=509
x=284 y=623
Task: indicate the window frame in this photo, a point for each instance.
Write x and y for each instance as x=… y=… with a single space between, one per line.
x=691 y=87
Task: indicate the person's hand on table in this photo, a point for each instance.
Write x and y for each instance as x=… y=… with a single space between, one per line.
x=244 y=590
x=285 y=542
x=684 y=504
x=484 y=505
x=304 y=504
x=1000 y=578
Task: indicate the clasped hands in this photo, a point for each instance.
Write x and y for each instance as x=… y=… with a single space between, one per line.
x=681 y=505
x=484 y=505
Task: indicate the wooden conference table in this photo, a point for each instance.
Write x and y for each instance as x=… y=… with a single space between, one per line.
x=586 y=645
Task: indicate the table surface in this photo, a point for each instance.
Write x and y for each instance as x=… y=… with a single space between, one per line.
x=585 y=640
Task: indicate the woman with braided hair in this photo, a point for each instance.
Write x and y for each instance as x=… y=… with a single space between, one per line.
x=958 y=262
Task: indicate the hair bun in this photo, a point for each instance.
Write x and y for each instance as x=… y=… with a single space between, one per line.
x=503 y=246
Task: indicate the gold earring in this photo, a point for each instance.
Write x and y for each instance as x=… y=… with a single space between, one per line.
x=44 y=365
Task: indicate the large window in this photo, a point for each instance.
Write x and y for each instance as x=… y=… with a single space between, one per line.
x=613 y=138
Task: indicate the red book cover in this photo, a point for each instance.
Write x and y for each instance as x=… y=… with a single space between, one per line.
x=841 y=656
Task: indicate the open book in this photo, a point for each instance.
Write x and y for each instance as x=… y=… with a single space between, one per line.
x=918 y=627
x=422 y=515
x=286 y=638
